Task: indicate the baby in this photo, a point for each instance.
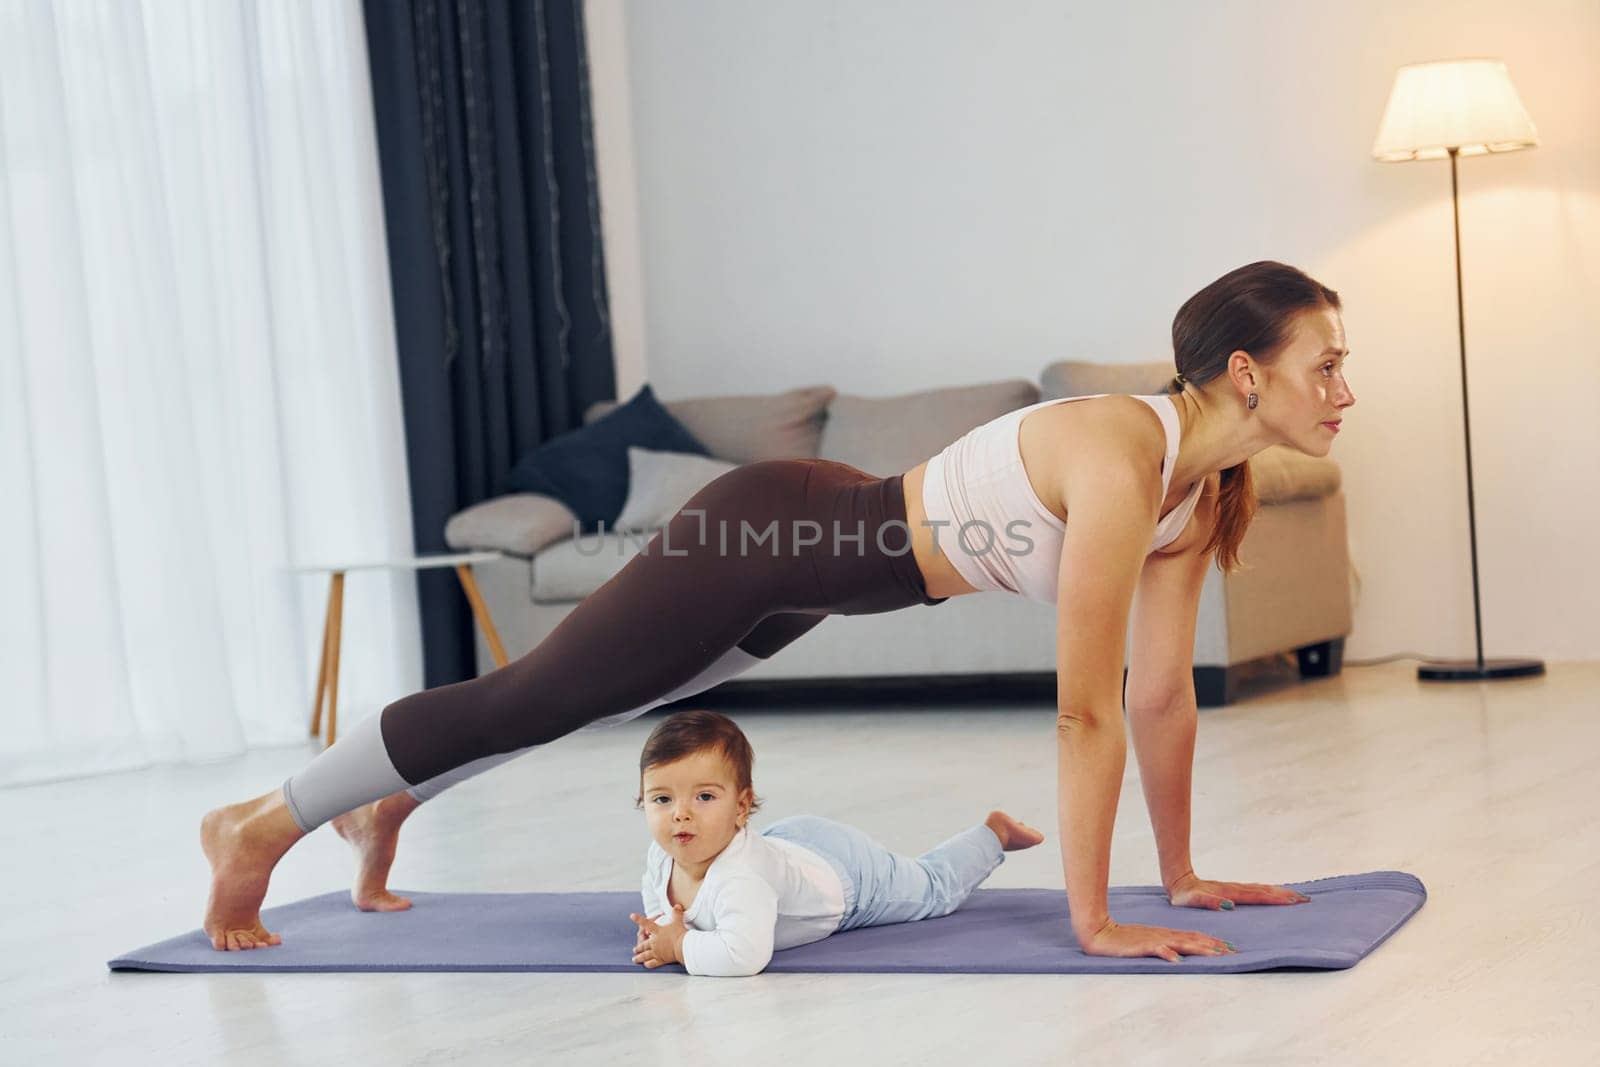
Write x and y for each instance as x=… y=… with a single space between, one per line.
x=720 y=899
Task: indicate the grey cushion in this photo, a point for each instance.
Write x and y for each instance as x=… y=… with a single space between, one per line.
x=890 y=435
x=659 y=483
x=576 y=567
x=1072 y=378
x=518 y=523
x=744 y=429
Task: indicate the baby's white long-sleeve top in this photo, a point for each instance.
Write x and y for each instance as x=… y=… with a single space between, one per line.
x=760 y=894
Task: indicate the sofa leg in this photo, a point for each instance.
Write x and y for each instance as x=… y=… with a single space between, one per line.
x=1322 y=659
x=1214 y=687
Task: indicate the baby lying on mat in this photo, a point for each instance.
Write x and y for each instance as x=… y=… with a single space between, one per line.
x=720 y=899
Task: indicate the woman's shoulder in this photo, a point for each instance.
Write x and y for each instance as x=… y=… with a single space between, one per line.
x=1094 y=434
x=1117 y=424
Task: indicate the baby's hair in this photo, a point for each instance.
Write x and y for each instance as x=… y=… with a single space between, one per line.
x=684 y=733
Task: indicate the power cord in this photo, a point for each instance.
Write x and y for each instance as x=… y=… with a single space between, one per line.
x=1386 y=659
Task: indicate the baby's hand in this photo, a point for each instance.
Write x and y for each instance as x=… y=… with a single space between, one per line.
x=641 y=939
x=659 y=943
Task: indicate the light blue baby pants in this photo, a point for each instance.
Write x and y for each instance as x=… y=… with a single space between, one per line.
x=881 y=886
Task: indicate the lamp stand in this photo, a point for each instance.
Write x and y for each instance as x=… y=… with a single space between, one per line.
x=1460 y=670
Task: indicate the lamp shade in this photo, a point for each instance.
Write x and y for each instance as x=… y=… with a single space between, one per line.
x=1466 y=104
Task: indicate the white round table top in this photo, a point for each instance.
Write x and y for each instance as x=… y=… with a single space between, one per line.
x=414 y=563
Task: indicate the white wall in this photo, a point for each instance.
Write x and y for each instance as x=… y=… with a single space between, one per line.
x=896 y=196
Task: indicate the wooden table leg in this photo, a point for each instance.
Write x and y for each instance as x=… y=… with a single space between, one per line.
x=480 y=612
x=322 y=664
x=333 y=657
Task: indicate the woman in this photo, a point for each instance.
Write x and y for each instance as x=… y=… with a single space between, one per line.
x=1155 y=488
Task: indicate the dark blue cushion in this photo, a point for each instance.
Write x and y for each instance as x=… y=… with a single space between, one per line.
x=587 y=468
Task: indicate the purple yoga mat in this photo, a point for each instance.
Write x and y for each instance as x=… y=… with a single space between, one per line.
x=997 y=931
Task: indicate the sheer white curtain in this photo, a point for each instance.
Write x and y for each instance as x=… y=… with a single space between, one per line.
x=197 y=381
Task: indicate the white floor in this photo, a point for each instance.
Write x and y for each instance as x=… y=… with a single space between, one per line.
x=1487 y=792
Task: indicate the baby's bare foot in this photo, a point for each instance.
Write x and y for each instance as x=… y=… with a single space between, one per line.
x=374 y=832
x=1014 y=836
x=243 y=842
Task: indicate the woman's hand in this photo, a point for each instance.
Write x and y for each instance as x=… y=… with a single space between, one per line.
x=659 y=943
x=1113 y=939
x=1189 y=891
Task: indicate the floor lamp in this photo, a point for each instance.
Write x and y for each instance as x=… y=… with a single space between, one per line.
x=1458 y=107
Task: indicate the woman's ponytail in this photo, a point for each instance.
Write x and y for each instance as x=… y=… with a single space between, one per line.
x=1236 y=507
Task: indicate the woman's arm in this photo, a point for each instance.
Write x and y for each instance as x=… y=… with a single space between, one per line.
x=1164 y=745
x=1162 y=714
x=1112 y=492
x=1111 y=502
x=1160 y=695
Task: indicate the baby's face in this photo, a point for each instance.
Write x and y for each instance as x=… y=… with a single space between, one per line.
x=693 y=807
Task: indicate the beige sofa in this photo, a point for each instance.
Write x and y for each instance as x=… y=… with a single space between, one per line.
x=1292 y=595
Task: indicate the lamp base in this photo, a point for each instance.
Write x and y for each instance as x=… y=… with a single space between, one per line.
x=1467 y=670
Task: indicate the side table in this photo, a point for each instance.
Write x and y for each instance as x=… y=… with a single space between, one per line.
x=328 y=668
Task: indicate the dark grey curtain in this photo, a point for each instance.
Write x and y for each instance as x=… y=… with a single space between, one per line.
x=486 y=154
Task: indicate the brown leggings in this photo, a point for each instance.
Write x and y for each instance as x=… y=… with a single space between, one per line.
x=755 y=559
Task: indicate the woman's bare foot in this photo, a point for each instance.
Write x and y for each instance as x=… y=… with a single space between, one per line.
x=1014 y=836
x=374 y=831
x=243 y=842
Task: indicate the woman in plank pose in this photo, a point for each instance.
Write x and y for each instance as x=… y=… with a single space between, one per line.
x=1111 y=507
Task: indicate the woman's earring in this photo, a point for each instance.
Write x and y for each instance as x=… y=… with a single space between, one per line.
x=1254 y=400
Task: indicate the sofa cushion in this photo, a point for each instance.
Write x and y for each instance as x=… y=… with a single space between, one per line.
x=587 y=468
x=576 y=567
x=518 y=524
x=744 y=429
x=891 y=434
x=1073 y=378
x=1282 y=474
x=659 y=483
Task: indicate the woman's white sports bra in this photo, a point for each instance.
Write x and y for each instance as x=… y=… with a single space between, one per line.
x=997 y=533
